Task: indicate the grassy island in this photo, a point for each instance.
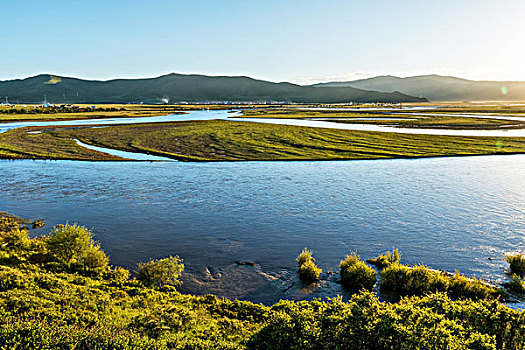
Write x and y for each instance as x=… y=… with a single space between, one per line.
x=221 y=140
x=58 y=292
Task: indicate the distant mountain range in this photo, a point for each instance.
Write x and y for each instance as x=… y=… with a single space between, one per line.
x=440 y=88
x=180 y=87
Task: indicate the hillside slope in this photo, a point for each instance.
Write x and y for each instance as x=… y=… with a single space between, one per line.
x=178 y=87
x=440 y=88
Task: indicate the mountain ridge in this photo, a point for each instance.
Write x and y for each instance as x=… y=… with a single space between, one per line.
x=176 y=87
x=440 y=88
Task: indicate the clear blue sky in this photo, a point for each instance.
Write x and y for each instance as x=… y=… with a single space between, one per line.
x=288 y=40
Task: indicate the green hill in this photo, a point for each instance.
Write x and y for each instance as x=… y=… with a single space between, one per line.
x=440 y=88
x=179 y=87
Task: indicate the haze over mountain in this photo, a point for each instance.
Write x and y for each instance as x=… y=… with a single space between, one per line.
x=440 y=88
x=179 y=87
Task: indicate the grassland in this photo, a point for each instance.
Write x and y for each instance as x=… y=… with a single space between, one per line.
x=14 y=113
x=219 y=140
x=48 y=302
x=18 y=144
x=412 y=120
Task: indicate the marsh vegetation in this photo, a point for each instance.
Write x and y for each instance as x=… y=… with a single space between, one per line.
x=220 y=140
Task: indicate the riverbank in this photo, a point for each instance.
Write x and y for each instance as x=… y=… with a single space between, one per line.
x=49 y=302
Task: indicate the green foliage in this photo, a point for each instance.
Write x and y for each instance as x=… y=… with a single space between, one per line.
x=95 y=260
x=73 y=246
x=462 y=287
x=516 y=285
x=420 y=280
x=304 y=256
x=161 y=272
x=417 y=280
x=517 y=263
x=382 y=261
x=119 y=275
x=431 y=322
x=16 y=247
x=355 y=274
x=308 y=271
x=69 y=242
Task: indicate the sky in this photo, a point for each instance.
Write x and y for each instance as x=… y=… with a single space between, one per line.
x=304 y=42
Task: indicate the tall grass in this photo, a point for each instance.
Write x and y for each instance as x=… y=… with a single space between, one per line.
x=384 y=260
x=308 y=270
x=355 y=274
x=516 y=263
x=417 y=280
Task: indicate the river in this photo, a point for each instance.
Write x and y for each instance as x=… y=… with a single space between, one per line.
x=450 y=213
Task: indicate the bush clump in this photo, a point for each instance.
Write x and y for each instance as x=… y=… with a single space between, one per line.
x=362 y=323
x=516 y=285
x=517 y=263
x=73 y=246
x=161 y=272
x=308 y=271
x=461 y=287
x=417 y=280
x=384 y=260
x=355 y=274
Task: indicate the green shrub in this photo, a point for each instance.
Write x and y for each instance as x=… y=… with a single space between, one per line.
x=12 y=278
x=119 y=275
x=462 y=287
x=308 y=271
x=517 y=263
x=364 y=323
x=304 y=256
x=516 y=285
x=95 y=260
x=14 y=239
x=355 y=274
x=69 y=242
x=161 y=272
x=73 y=247
x=417 y=280
x=382 y=261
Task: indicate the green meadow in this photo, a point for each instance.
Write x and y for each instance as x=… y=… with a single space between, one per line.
x=219 y=140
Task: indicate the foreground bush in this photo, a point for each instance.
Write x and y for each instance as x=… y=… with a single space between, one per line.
x=308 y=271
x=364 y=323
x=517 y=263
x=69 y=242
x=355 y=274
x=382 y=261
x=73 y=247
x=161 y=272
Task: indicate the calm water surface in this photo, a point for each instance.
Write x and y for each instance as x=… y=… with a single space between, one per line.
x=450 y=213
